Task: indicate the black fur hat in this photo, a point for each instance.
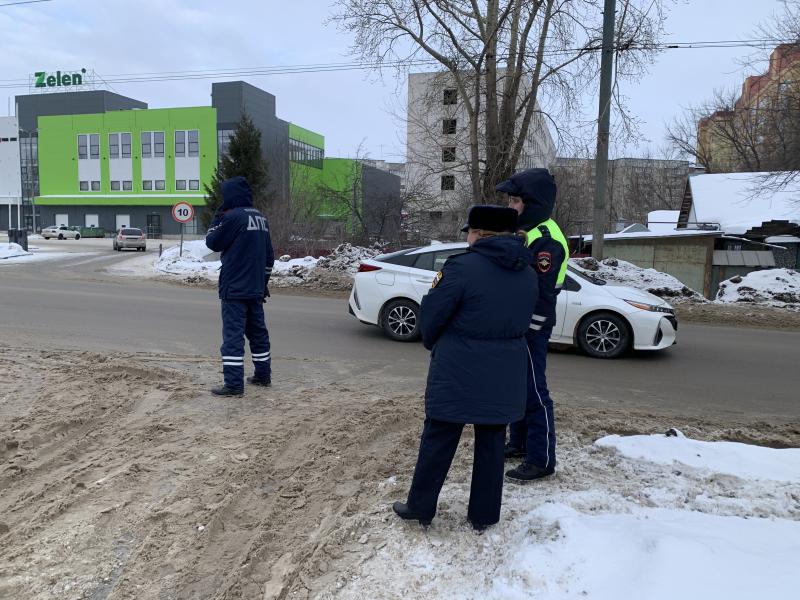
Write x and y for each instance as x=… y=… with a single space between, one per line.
x=491 y=218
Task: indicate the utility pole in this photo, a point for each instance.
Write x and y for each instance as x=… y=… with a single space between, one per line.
x=603 y=126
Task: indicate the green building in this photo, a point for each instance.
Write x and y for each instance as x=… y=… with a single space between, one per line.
x=345 y=195
x=126 y=167
x=95 y=158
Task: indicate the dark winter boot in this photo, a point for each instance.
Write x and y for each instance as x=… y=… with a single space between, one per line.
x=478 y=527
x=224 y=390
x=405 y=513
x=515 y=451
x=259 y=381
x=527 y=472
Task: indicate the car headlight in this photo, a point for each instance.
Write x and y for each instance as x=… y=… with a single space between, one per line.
x=651 y=307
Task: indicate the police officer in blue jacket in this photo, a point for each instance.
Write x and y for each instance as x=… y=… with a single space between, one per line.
x=474 y=321
x=532 y=193
x=241 y=234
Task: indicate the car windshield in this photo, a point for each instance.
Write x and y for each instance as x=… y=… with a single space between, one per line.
x=131 y=232
x=587 y=276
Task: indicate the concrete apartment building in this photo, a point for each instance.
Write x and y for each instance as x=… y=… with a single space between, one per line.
x=751 y=136
x=438 y=155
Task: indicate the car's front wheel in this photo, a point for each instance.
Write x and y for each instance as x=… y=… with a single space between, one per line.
x=604 y=335
x=400 y=320
x=61 y=236
x=77 y=236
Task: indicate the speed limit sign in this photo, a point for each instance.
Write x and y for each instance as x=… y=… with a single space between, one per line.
x=183 y=212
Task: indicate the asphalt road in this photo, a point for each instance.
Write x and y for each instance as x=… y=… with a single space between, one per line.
x=739 y=373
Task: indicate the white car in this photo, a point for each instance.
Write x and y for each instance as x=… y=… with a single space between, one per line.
x=62 y=232
x=604 y=320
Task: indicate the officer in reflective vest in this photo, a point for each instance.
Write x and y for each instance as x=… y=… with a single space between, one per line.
x=533 y=193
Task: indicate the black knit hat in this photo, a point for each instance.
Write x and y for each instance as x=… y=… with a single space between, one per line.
x=491 y=218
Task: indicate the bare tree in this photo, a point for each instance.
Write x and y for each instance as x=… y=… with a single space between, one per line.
x=502 y=56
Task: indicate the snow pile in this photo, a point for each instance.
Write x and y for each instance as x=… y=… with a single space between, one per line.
x=191 y=263
x=776 y=287
x=12 y=251
x=728 y=458
x=289 y=271
x=346 y=257
x=637 y=517
x=624 y=273
x=331 y=272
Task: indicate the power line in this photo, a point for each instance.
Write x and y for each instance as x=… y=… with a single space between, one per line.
x=24 y=2
x=191 y=75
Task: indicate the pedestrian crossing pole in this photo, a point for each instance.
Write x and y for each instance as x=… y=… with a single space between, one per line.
x=603 y=127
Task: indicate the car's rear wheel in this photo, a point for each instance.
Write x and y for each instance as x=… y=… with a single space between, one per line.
x=604 y=335
x=77 y=236
x=400 y=320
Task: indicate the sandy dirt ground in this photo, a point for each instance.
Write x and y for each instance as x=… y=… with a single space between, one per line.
x=123 y=478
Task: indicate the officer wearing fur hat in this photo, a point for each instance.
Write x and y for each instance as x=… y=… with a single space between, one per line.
x=532 y=193
x=474 y=322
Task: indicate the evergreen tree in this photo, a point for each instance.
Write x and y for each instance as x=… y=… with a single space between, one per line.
x=243 y=158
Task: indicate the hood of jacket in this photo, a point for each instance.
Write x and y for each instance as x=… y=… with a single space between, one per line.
x=236 y=193
x=508 y=251
x=537 y=188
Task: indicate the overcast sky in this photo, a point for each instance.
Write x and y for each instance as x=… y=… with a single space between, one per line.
x=350 y=109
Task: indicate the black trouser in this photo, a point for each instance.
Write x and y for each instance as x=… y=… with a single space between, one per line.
x=436 y=450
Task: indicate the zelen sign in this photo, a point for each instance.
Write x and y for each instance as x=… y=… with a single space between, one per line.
x=48 y=80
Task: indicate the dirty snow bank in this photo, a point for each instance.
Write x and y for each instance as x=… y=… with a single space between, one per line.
x=192 y=262
x=638 y=517
x=12 y=251
x=346 y=257
x=624 y=273
x=775 y=287
x=334 y=271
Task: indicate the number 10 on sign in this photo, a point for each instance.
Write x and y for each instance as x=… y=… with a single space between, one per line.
x=182 y=212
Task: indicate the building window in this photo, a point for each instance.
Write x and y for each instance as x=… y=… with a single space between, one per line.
x=449 y=126
x=113 y=145
x=194 y=142
x=449 y=97
x=180 y=143
x=84 y=185
x=126 y=145
x=115 y=186
x=194 y=184
x=94 y=146
x=127 y=186
x=83 y=147
x=158 y=144
x=223 y=141
x=449 y=154
x=306 y=154
x=180 y=184
x=147 y=185
x=147 y=145
x=448 y=182
x=95 y=186
x=159 y=184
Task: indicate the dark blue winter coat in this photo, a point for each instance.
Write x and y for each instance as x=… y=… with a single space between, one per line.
x=474 y=322
x=241 y=234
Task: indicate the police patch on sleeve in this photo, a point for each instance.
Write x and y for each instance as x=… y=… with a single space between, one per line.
x=544 y=260
x=437 y=279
